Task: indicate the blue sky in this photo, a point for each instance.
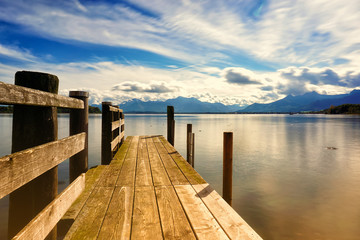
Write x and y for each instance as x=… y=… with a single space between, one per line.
x=234 y=52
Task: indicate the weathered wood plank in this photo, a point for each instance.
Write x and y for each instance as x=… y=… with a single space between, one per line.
x=21 y=167
x=12 y=94
x=159 y=174
x=189 y=172
x=122 y=121
x=117 y=222
x=115 y=142
x=114 y=109
x=174 y=223
x=88 y=223
x=47 y=219
x=201 y=219
x=175 y=175
x=146 y=221
x=120 y=155
x=127 y=174
x=115 y=125
x=143 y=172
x=227 y=217
x=91 y=178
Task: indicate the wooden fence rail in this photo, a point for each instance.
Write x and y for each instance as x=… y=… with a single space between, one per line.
x=113 y=131
x=29 y=174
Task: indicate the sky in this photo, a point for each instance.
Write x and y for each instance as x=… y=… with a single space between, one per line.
x=233 y=52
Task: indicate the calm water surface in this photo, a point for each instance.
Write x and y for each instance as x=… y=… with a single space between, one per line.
x=288 y=184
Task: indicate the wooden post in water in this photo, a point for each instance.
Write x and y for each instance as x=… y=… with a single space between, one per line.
x=227 y=167
x=170 y=125
x=106 y=134
x=188 y=142
x=193 y=149
x=79 y=123
x=33 y=126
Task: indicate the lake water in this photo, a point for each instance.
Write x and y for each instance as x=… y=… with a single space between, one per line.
x=295 y=176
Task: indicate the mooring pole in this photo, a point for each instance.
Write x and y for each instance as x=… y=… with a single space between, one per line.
x=79 y=123
x=227 y=167
x=170 y=125
x=193 y=149
x=188 y=142
x=33 y=126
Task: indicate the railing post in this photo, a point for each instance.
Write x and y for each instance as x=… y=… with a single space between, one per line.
x=106 y=134
x=188 y=142
x=33 y=126
x=79 y=123
x=170 y=125
x=227 y=167
x=122 y=127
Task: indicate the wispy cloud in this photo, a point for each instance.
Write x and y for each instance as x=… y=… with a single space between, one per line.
x=16 y=53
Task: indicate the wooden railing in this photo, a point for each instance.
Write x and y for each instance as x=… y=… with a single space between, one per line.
x=112 y=136
x=29 y=174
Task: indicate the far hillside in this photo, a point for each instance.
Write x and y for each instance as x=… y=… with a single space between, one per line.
x=343 y=109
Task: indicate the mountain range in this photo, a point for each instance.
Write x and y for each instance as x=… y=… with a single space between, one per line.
x=181 y=105
x=311 y=101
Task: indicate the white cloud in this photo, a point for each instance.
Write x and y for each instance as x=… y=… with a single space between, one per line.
x=16 y=53
x=299 y=32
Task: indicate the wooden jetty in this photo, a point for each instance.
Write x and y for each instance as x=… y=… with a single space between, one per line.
x=144 y=190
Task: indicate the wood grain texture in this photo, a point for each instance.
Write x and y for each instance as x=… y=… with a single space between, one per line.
x=175 y=175
x=227 y=217
x=120 y=155
x=189 y=172
x=21 y=167
x=127 y=175
x=12 y=94
x=117 y=222
x=89 y=221
x=174 y=223
x=115 y=142
x=143 y=172
x=115 y=109
x=204 y=224
x=47 y=219
x=115 y=125
x=91 y=178
x=158 y=171
x=146 y=221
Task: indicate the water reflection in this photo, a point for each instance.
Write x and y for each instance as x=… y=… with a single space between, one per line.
x=287 y=183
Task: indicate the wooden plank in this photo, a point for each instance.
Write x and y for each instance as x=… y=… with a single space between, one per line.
x=159 y=174
x=91 y=178
x=115 y=125
x=175 y=175
x=47 y=219
x=110 y=176
x=21 y=167
x=122 y=121
x=174 y=223
x=127 y=175
x=114 y=109
x=146 y=221
x=87 y=225
x=189 y=172
x=12 y=94
x=203 y=223
x=120 y=155
x=117 y=222
x=115 y=142
x=227 y=217
x=143 y=172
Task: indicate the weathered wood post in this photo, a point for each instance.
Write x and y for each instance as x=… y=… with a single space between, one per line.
x=79 y=123
x=170 y=125
x=193 y=150
x=227 y=166
x=106 y=133
x=188 y=142
x=33 y=126
x=122 y=127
